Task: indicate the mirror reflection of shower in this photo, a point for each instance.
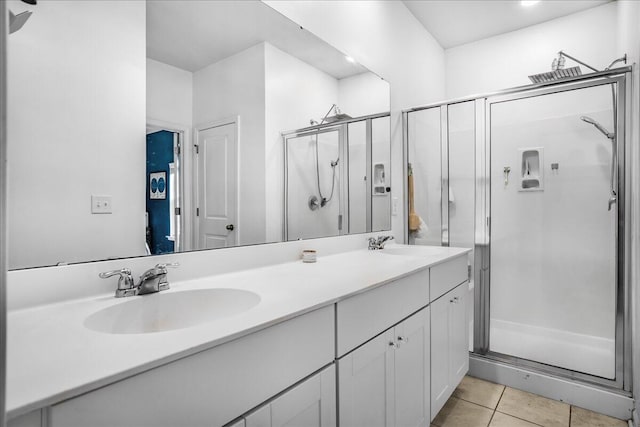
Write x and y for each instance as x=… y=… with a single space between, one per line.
x=315 y=202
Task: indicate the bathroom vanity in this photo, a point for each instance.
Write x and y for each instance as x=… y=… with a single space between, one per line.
x=360 y=338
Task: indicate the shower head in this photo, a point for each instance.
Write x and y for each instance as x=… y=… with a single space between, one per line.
x=337 y=117
x=17 y=21
x=557 y=74
x=598 y=126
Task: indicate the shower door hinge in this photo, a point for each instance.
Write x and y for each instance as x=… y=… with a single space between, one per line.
x=177 y=211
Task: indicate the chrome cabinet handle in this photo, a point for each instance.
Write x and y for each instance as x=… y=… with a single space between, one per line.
x=403 y=339
x=393 y=344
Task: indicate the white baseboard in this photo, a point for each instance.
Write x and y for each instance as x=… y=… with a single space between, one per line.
x=588 y=397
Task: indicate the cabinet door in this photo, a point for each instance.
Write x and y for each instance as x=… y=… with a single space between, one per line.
x=412 y=371
x=459 y=334
x=366 y=384
x=311 y=403
x=440 y=352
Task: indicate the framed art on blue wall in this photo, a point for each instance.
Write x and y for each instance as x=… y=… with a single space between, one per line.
x=158 y=185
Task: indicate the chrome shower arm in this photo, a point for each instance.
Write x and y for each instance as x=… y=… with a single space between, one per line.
x=561 y=53
x=328 y=112
x=614 y=62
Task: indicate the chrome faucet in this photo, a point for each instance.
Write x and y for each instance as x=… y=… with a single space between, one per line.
x=151 y=281
x=379 y=242
x=155 y=279
x=125 y=282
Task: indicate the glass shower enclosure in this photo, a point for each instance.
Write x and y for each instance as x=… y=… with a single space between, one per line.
x=337 y=178
x=533 y=180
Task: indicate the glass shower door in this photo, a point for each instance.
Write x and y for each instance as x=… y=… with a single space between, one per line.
x=313 y=184
x=553 y=266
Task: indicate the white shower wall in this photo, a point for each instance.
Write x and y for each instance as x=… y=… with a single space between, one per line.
x=304 y=223
x=553 y=251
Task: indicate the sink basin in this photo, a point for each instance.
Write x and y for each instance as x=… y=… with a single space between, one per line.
x=169 y=311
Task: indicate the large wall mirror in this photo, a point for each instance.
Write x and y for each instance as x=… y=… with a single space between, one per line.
x=215 y=124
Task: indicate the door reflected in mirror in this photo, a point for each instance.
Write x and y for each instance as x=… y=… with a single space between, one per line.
x=248 y=118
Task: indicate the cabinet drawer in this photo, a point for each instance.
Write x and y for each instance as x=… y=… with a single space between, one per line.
x=364 y=316
x=447 y=276
x=213 y=387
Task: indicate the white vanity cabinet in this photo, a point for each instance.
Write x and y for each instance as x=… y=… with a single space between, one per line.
x=385 y=382
x=389 y=354
x=449 y=345
x=311 y=403
x=212 y=387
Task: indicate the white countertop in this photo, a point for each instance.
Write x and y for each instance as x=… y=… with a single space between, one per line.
x=52 y=356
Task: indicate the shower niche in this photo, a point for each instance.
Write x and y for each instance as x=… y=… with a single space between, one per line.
x=379 y=179
x=531 y=169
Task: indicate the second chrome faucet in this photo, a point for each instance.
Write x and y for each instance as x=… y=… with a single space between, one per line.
x=151 y=281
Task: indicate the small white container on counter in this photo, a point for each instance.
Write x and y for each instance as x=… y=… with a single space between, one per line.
x=309 y=255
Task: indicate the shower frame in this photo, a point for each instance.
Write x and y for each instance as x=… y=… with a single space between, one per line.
x=340 y=126
x=482 y=225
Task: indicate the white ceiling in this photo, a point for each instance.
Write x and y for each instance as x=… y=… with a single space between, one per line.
x=456 y=22
x=193 y=34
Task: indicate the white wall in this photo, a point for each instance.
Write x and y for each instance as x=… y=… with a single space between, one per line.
x=169 y=93
x=295 y=93
x=233 y=87
x=76 y=102
x=507 y=60
x=363 y=94
x=386 y=38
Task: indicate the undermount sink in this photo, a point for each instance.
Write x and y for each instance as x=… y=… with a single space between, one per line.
x=170 y=311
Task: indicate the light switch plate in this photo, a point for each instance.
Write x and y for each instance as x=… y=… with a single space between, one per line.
x=101 y=204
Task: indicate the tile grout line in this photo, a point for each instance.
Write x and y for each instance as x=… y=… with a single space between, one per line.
x=522 y=419
x=570 y=413
x=501 y=395
x=497 y=404
x=491 y=419
x=478 y=404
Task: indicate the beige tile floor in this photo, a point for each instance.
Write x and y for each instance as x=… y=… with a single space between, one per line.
x=478 y=403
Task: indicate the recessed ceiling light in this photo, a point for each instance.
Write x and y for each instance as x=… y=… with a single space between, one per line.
x=350 y=59
x=527 y=3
